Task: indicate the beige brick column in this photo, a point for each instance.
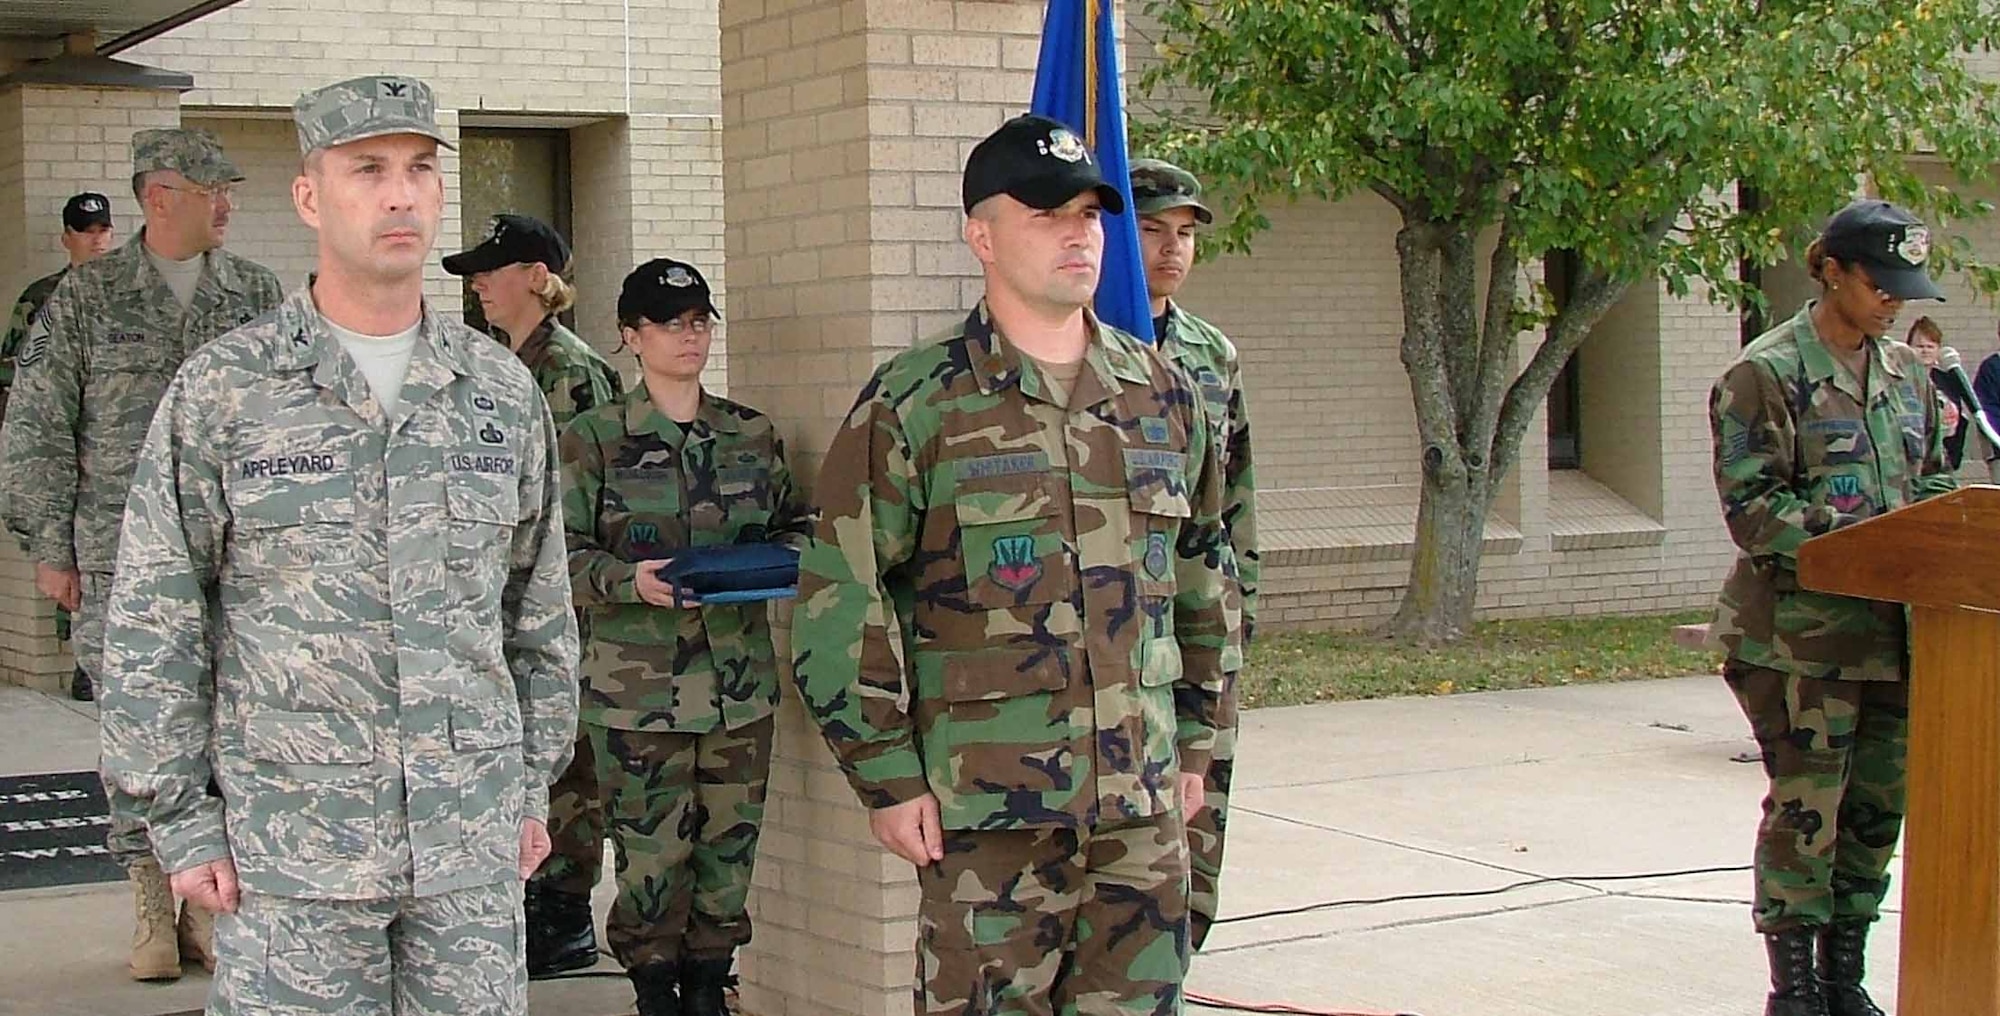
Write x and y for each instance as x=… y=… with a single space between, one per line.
x=845 y=125
x=54 y=142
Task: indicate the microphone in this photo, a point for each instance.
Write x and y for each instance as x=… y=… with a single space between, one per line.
x=1959 y=387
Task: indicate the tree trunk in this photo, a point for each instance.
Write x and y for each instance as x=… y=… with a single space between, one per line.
x=1444 y=569
x=1457 y=381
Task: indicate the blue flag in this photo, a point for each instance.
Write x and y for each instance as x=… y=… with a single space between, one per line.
x=1062 y=87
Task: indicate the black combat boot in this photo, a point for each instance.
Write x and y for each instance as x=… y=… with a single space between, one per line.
x=657 y=987
x=1842 y=946
x=703 y=983
x=79 y=686
x=1795 y=989
x=561 y=936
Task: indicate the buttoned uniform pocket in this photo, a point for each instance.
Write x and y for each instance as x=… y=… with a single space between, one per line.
x=642 y=512
x=1156 y=489
x=486 y=743
x=303 y=520
x=1003 y=728
x=1011 y=541
x=302 y=786
x=482 y=509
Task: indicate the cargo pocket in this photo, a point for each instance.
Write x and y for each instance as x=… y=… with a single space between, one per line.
x=1011 y=542
x=486 y=741
x=1003 y=731
x=308 y=787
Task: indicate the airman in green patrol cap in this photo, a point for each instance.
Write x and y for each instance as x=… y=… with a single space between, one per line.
x=1168 y=201
x=91 y=369
x=342 y=599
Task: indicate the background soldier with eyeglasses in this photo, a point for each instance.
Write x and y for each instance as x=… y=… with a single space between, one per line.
x=87 y=381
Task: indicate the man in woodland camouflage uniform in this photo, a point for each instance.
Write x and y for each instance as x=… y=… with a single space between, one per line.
x=1033 y=504
x=1167 y=199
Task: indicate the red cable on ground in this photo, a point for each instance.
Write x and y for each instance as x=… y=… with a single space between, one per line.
x=1283 y=1008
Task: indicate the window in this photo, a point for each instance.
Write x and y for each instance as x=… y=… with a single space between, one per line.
x=524 y=172
x=1565 y=396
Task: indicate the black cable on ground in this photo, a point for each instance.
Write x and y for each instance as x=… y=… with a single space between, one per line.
x=1465 y=894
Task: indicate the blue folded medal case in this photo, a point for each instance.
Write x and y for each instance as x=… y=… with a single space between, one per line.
x=733 y=573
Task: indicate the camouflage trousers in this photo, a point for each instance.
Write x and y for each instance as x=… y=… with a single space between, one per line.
x=1039 y=922
x=1834 y=752
x=684 y=812
x=576 y=827
x=444 y=955
x=1205 y=833
x=127 y=841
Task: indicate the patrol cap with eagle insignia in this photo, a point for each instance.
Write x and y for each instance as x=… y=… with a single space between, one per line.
x=1887 y=240
x=513 y=240
x=1038 y=162
x=86 y=210
x=367 y=107
x=1160 y=186
x=191 y=152
x=661 y=290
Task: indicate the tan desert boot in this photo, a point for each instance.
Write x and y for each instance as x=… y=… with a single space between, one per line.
x=197 y=935
x=155 y=955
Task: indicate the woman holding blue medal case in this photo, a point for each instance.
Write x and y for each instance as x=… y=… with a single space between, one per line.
x=678 y=690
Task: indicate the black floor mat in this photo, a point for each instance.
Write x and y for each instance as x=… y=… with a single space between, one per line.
x=52 y=828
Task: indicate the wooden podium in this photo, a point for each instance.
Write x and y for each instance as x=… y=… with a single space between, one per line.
x=1942 y=557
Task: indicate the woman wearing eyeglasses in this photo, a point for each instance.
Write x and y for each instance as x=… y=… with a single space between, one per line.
x=678 y=695
x=1820 y=423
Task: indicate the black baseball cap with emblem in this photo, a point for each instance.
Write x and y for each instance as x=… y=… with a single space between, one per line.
x=1038 y=162
x=663 y=289
x=1889 y=242
x=86 y=210
x=512 y=240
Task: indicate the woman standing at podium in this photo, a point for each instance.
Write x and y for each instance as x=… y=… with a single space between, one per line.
x=1820 y=423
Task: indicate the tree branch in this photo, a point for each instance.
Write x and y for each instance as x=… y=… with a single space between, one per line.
x=1593 y=293
x=1396 y=32
x=1498 y=339
x=1417 y=256
x=1458 y=287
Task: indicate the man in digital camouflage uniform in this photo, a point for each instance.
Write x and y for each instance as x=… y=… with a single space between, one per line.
x=1033 y=503
x=342 y=598
x=89 y=374
x=87 y=235
x=1168 y=201
x=677 y=698
x=1820 y=423
x=517 y=271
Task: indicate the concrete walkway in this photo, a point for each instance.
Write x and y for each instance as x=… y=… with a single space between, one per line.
x=1357 y=801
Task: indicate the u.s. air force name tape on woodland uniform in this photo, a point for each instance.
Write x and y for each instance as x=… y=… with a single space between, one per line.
x=1063 y=620
x=360 y=628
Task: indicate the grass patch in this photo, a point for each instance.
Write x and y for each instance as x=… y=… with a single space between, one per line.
x=1291 y=668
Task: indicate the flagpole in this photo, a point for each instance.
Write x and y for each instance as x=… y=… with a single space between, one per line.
x=1090 y=74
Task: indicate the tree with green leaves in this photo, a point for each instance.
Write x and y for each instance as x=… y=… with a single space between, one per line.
x=1615 y=133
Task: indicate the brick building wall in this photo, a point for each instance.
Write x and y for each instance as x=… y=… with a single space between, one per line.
x=636 y=86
